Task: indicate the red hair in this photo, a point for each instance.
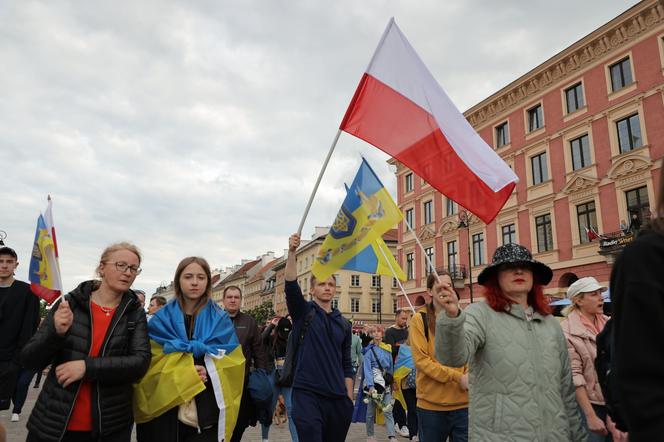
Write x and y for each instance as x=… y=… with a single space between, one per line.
x=499 y=302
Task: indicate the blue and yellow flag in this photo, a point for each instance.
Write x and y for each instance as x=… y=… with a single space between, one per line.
x=45 y=279
x=403 y=366
x=365 y=215
x=172 y=379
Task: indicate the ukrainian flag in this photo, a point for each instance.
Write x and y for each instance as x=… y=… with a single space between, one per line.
x=402 y=368
x=44 y=268
x=172 y=379
x=365 y=215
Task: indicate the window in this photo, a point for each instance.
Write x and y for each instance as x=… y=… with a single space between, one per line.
x=535 y=118
x=629 y=133
x=538 y=163
x=580 y=152
x=451 y=207
x=452 y=254
x=375 y=281
x=395 y=305
x=587 y=218
x=354 y=280
x=354 y=305
x=502 y=135
x=409 y=217
x=478 y=249
x=375 y=305
x=637 y=202
x=395 y=284
x=408 y=182
x=410 y=269
x=429 y=253
x=621 y=74
x=574 y=98
x=428 y=212
x=509 y=234
x=544 y=233
x=335 y=303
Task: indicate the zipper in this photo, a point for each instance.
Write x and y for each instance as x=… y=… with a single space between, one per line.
x=78 y=390
x=103 y=350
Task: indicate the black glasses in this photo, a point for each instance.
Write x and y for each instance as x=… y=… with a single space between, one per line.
x=123 y=266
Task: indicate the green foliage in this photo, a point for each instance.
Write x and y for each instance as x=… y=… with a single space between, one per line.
x=262 y=312
x=42 y=309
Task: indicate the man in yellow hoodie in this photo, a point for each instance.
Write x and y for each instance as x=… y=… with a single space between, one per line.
x=442 y=392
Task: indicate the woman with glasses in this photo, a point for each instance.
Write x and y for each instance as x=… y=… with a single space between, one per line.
x=96 y=339
x=520 y=376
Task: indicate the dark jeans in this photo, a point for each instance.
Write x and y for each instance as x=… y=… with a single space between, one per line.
x=399 y=414
x=436 y=426
x=246 y=416
x=410 y=395
x=321 y=418
x=8 y=376
x=21 y=390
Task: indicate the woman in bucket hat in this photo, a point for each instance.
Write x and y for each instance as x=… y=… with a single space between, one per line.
x=584 y=319
x=520 y=377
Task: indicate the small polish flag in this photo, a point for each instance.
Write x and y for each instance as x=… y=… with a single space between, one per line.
x=401 y=109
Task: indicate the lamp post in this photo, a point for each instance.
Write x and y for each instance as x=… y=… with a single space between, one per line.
x=464 y=223
x=379 y=305
x=3 y=235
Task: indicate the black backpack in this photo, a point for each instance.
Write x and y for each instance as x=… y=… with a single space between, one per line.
x=606 y=377
x=288 y=371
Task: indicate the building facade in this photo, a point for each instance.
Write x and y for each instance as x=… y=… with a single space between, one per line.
x=583 y=131
x=361 y=297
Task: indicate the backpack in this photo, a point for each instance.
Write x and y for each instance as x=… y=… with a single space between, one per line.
x=288 y=371
x=606 y=377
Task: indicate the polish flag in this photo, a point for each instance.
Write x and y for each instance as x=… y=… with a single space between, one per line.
x=401 y=109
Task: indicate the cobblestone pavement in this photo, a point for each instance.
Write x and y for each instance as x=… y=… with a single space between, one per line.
x=16 y=431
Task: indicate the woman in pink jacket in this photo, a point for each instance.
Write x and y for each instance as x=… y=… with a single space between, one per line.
x=584 y=320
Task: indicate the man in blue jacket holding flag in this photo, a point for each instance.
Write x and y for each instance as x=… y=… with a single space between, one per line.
x=323 y=372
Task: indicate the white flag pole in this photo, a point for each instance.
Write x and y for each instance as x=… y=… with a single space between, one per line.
x=389 y=264
x=320 y=176
x=426 y=257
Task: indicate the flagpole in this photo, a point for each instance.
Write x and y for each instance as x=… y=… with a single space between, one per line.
x=389 y=264
x=426 y=257
x=320 y=176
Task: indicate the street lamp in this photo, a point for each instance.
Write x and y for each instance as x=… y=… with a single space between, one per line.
x=464 y=223
x=3 y=235
x=379 y=305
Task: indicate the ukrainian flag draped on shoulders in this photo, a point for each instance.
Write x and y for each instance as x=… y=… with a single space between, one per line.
x=172 y=379
x=355 y=238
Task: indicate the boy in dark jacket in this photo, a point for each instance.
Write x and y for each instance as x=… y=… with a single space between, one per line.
x=323 y=377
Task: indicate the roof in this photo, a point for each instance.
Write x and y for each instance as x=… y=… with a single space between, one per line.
x=262 y=271
x=242 y=270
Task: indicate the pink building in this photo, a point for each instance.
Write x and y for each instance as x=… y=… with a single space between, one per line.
x=584 y=131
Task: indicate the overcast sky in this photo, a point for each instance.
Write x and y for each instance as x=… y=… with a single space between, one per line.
x=198 y=128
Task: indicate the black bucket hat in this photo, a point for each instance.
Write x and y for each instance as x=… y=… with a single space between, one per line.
x=515 y=253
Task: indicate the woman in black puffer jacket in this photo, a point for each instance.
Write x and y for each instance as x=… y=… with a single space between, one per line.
x=96 y=341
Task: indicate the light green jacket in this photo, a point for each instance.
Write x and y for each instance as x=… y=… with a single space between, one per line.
x=520 y=377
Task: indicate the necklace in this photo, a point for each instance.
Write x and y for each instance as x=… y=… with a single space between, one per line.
x=106 y=310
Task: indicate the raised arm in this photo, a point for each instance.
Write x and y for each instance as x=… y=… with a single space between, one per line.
x=458 y=338
x=297 y=306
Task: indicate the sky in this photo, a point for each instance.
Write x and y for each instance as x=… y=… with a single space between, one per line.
x=199 y=128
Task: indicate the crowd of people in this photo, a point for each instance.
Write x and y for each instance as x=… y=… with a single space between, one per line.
x=504 y=369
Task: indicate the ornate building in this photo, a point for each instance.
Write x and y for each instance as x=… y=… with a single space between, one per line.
x=584 y=133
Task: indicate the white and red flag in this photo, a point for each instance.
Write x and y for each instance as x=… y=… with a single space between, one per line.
x=401 y=109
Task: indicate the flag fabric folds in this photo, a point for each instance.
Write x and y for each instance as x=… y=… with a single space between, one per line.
x=367 y=212
x=372 y=260
x=402 y=368
x=172 y=379
x=45 y=278
x=401 y=109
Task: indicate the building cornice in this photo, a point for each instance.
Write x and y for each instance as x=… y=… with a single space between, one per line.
x=616 y=34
